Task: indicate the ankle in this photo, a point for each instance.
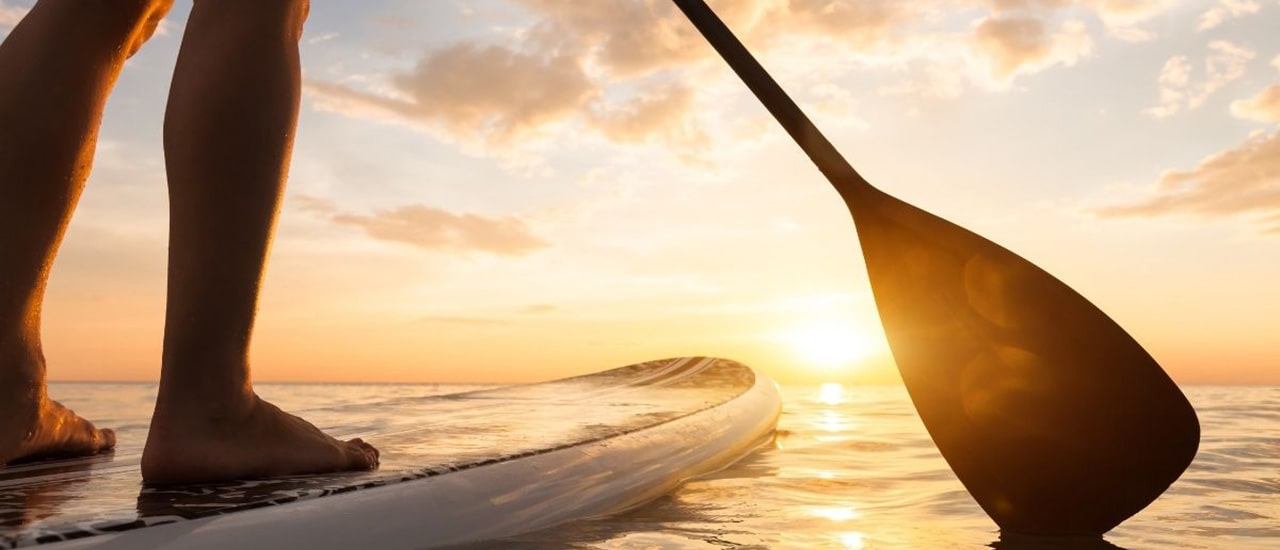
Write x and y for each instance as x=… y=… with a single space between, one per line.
x=177 y=406
x=22 y=391
x=22 y=370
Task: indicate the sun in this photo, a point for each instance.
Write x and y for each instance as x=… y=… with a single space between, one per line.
x=830 y=346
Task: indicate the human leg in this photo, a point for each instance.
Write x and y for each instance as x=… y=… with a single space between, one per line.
x=229 y=132
x=57 y=67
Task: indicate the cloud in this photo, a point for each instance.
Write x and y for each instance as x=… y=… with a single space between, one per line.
x=323 y=38
x=660 y=112
x=1012 y=45
x=166 y=27
x=1179 y=91
x=1132 y=34
x=570 y=66
x=629 y=40
x=1120 y=17
x=1126 y=13
x=863 y=24
x=1264 y=107
x=625 y=38
x=492 y=93
x=432 y=228
x=1174 y=78
x=499 y=96
x=11 y=15
x=1002 y=6
x=1226 y=10
x=1243 y=181
x=632 y=38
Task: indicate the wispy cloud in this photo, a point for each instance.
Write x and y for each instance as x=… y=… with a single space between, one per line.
x=323 y=38
x=558 y=73
x=1264 y=107
x=433 y=228
x=621 y=70
x=1180 y=89
x=1122 y=18
x=864 y=24
x=1242 y=181
x=1226 y=10
x=1011 y=45
x=10 y=15
x=660 y=112
x=625 y=38
x=491 y=93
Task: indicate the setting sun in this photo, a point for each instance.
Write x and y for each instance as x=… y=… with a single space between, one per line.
x=830 y=346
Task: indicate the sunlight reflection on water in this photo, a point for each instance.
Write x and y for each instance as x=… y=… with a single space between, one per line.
x=853 y=468
x=852 y=541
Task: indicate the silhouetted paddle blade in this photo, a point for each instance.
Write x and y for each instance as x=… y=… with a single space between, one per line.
x=1054 y=418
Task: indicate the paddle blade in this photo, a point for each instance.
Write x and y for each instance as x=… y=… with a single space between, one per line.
x=1056 y=421
x=1054 y=418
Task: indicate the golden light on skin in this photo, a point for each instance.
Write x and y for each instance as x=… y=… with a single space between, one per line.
x=830 y=346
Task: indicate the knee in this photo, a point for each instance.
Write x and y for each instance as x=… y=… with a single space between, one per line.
x=137 y=13
x=288 y=15
x=133 y=21
x=152 y=13
x=119 y=10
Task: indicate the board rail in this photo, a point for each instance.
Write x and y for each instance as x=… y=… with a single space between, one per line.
x=746 y=405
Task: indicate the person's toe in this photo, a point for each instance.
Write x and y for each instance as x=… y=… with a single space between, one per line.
x=106 y=439
x=361 y=455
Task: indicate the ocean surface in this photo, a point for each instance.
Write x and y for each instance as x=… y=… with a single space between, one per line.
x=851 y=468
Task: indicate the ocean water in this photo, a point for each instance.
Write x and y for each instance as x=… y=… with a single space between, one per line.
x=851 y=468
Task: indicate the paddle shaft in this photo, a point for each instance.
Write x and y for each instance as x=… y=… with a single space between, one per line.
x=842 y=176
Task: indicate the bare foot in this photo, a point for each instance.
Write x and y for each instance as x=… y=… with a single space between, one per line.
x=32 y=426
x=257 y=441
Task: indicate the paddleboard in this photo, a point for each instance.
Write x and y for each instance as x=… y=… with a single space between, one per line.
x=455 y=469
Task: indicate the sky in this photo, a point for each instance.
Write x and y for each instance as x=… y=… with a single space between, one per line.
x=518 y=190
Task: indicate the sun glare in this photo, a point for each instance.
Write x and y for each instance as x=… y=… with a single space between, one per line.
x=853 y=541
x=832 y=346
x=836 y=513
x=831 y=394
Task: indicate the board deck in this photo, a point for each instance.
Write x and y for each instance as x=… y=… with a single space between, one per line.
x=455 y=468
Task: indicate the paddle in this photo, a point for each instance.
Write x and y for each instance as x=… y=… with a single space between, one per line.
x=1054 y=418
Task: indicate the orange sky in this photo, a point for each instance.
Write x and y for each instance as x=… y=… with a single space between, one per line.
x=496 y=191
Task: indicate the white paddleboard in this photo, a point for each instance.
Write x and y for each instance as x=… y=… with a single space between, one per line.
x=455 y=469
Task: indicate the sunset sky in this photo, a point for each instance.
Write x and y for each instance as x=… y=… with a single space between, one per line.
x=508 y=191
